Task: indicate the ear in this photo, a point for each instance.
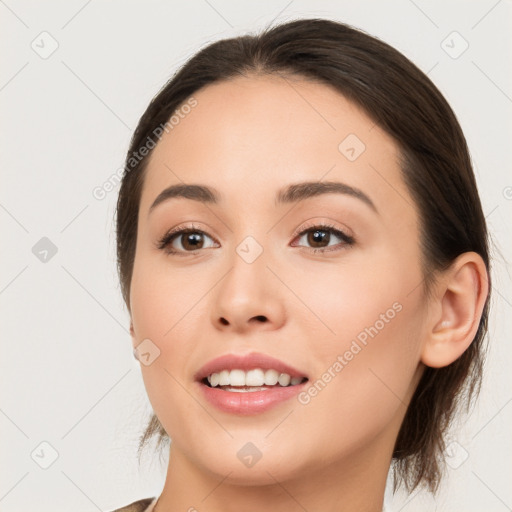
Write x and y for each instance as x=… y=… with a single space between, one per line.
x=459 y=299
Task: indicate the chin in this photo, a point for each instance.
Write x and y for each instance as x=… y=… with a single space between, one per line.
x=248 y=465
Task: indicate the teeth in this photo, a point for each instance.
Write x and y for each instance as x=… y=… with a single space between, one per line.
x=214 y=379
x=284 y=379
x=271 y=377
x=255 y=378
x=224 y=378
x=236 y=378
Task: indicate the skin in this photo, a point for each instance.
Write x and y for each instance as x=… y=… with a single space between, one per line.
x=248 y=138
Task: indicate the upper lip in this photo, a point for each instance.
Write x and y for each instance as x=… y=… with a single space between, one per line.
x=246 y=362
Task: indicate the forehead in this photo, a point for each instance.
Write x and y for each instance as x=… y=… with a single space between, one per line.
x=254 y=135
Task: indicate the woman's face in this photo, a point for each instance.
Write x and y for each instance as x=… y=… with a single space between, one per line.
x=350 y=318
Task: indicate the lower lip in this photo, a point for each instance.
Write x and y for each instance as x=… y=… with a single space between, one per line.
x=250 y=402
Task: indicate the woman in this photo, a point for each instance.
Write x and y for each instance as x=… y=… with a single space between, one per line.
x=302 y=250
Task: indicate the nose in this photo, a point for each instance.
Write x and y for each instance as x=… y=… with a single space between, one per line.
x=249 y=297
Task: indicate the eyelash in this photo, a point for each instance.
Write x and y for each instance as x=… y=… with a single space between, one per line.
x=169 y=237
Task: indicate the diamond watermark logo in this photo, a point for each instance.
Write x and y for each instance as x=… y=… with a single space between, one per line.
x=44 y=45
x=456 y=455
x=454 y=45
x=146 y=352
x=249 y=249
x=351 y=147
x=249 y=454
x=44 y=455
x=44 y=250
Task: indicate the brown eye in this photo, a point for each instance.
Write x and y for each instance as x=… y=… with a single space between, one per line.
x=319 y=238
x=185 y=240
x=192 y=240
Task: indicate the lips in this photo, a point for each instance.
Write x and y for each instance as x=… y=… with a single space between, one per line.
x=246 y=362
x=245 y=400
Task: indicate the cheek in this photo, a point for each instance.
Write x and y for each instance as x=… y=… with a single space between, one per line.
x=167 y=309
x=356 y=299
x=366 y=348
x=163 y=301
x=369 y=372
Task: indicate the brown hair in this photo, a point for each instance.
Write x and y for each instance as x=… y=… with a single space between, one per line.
x=435 y=165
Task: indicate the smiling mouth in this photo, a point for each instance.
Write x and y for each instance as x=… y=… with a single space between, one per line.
x=253 y=390
x=249 y=384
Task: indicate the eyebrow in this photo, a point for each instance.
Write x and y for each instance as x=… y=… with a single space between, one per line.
x=291 y=194
x=200 y=193
x=300 y=191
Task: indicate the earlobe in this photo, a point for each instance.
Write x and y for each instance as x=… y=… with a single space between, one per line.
x=461 y=294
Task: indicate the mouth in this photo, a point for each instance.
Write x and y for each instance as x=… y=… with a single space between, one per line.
x=249 y=384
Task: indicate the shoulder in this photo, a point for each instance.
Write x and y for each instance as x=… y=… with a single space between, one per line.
x=137 y=506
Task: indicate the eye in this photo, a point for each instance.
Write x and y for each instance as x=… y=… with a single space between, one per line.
x=184 y=240
x=320 y=237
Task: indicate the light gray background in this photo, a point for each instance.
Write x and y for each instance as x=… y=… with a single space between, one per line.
x=68 y=375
